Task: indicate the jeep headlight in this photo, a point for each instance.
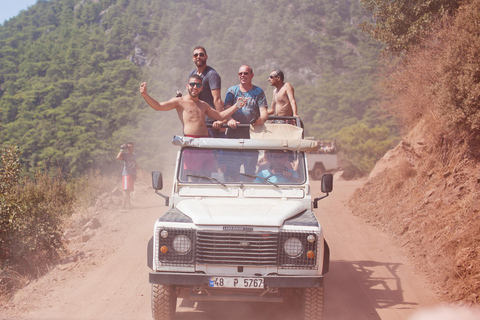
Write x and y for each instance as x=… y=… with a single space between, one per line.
x=175 y=246
x=182 y=244
x=299 y=249
x=293 y=247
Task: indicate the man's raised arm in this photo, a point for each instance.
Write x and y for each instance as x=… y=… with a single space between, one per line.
x=159 y=106
x=214 y=114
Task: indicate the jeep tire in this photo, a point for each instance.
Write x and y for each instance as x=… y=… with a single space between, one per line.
x=311 y=303
x=164 y=302
x=317 y=171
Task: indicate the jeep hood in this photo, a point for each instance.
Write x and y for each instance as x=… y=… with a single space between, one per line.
x=247 y=212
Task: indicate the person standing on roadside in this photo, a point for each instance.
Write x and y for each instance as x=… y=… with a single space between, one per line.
x=283 y=101
x=212 y=84
x=129 y=173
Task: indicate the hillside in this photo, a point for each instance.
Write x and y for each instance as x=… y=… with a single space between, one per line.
x=425 y=192
x=429 y=209
x=70 y=72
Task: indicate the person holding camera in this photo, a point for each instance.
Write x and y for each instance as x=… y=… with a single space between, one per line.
x=129 y=173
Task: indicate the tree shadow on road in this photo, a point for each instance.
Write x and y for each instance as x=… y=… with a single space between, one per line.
x=356 y=289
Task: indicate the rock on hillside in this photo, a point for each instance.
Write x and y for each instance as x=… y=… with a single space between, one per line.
x=425 y=194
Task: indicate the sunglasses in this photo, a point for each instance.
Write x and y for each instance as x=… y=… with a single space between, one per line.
x=195 y=84
x=272 y=76
x=243 y=73
x=201 y=54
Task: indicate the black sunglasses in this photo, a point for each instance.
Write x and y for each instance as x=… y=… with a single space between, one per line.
x=243 y=73
x=201 y=54
x=272 y=76
x=195 y=84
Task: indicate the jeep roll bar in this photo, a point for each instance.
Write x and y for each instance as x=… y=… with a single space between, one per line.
x=298 y=122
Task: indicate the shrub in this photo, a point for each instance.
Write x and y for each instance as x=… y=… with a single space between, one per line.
x=32 y=211
x=442 y=79
x=34 y=225
x=9 y=176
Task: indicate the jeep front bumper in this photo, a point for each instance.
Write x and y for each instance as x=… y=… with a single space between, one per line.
x=192 y=279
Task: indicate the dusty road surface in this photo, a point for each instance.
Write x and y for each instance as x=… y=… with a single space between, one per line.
x=107 y=277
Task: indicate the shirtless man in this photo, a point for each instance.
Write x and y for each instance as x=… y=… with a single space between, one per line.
x=283 y=102
x=191 y=110
x=211 y=87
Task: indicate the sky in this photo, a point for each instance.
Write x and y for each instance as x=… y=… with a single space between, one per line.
x=11 y=8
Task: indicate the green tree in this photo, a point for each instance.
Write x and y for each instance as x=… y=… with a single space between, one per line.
x=361 y=147
x=403 y=24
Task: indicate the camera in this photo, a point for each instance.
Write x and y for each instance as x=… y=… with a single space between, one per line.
x=123 y=146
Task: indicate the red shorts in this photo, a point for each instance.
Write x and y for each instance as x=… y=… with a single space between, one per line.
x=194 y=136
x=127 y=183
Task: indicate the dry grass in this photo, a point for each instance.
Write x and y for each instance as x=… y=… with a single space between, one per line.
x=42 y=208
x=10 y=281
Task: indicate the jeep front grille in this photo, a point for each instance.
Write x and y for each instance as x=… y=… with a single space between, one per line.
x=237 y=248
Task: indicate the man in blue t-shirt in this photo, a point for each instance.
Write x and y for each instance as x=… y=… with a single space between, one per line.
x=255 y=109
x=212 y=84
x=254 y=112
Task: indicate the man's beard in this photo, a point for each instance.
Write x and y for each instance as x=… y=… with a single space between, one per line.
x=193 y=95
x=200 y=63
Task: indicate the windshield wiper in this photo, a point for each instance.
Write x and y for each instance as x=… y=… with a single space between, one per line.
x=263 y=179
x=207 y=178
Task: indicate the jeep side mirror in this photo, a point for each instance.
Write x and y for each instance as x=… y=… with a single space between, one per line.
x=327 y=187
x=157 y=180
x=327 y=183
x=157 y=184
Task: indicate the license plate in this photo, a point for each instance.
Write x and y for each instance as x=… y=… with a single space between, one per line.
x=230 y=282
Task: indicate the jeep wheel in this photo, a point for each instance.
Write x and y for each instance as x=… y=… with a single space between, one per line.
x=312 y=304
x=317 y=172
x=164 y=302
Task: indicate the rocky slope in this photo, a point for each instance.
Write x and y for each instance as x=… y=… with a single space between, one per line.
x=425 y=194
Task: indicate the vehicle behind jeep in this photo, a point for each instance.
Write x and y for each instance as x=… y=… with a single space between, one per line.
x=240 y=226
x=323 y=159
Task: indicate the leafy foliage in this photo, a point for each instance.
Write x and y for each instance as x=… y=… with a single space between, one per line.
x=30 y=213
x=403 y=24
x=459 y=87
x=35 y=238
x=9 y=176
x=442 y=79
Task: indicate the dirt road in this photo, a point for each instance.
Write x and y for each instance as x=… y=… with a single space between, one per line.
x=369 y=278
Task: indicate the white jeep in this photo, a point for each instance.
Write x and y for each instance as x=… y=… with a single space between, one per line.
x=240 y=226
x=323 y=159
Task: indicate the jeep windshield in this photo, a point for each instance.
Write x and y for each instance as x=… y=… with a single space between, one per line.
x=233 y=166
